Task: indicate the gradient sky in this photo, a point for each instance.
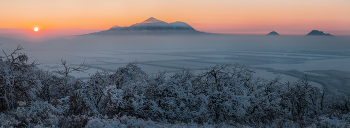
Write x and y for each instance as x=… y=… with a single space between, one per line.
x=288 y=17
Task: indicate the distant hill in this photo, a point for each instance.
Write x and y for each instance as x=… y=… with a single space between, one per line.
x=273 y=33
x=151 y=26
x=4 y=41
x=318 y=33
x=8 y=45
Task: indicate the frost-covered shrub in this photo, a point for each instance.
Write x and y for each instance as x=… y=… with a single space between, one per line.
x=52 y=83
x=43 y=114
x=88 y=97
x=326 y=122
x=106 y=93
x=127 y=122
x=8 y=121
x=119 y=122
x=265 y=99
x=18 y=80
x=302 y=100
x=226 y=89
x=130 y=74
x=219 y=94
x=337 y=105
x=39 y=112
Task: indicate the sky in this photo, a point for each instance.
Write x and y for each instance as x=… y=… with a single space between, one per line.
x=287 y=17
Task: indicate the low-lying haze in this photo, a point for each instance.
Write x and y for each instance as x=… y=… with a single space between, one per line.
x=324 y=59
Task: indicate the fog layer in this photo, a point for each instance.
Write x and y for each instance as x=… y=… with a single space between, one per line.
x=324 y=59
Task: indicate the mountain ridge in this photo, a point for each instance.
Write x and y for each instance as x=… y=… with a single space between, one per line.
x=151 y=26
x=318 y=33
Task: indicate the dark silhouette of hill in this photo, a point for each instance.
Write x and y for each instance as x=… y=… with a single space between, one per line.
x=151 y=26
x=273 y=33
x=318 y=33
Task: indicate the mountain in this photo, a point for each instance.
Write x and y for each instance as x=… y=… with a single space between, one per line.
x=318 y=33
x=273 y=33
x=151 y=26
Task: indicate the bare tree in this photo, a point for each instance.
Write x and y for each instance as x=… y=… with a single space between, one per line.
x=82 y=67
x=18 y=60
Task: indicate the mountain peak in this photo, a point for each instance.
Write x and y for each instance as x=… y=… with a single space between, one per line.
x=318 y=33
x=115 y=26
x=151 y=20
x=273 y=33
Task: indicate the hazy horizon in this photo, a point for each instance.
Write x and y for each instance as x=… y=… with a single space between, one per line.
x=253 y=17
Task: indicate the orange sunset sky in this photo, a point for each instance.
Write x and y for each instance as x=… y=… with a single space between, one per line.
x=288 y=17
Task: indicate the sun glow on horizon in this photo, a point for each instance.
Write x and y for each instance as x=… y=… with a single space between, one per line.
x=36 y=29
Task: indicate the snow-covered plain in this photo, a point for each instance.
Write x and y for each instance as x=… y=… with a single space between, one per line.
x=270 y=56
